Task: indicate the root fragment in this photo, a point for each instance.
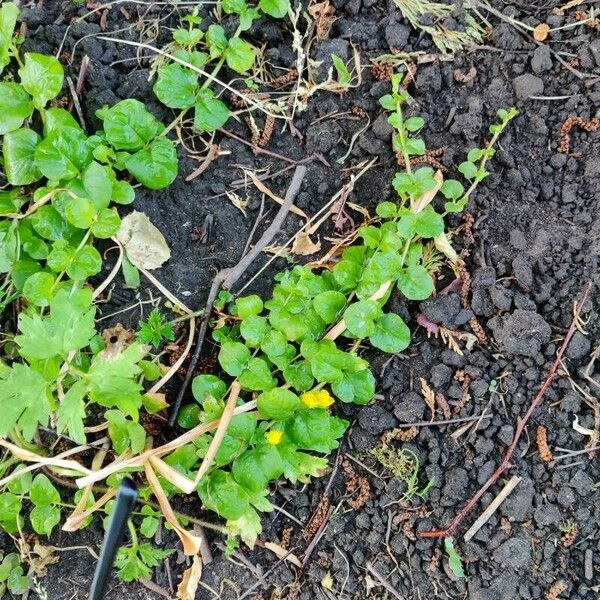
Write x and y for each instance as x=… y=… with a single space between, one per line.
x=463 y=77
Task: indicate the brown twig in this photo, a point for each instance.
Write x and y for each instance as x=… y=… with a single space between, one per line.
x=521 y=424
x=226 y=278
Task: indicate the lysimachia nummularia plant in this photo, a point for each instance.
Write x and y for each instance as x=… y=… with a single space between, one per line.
x=180 y=87
x=269 y=412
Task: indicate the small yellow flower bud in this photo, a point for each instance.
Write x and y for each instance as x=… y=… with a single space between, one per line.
x=274 y=436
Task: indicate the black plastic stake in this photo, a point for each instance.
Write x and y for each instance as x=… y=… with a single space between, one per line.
x=126 y=497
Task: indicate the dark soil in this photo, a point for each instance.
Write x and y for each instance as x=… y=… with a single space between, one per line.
x=536 y=242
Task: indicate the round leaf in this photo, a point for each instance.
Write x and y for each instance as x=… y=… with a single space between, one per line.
x=248 y=306
x=208 y=385
x=391 y=334
x=87 y=262
x=107 y=223
x=155 y=166
x=210 y=112
x=329 y=304
x=19 y=157
x=80 y=212
x=278 y=404
x=176 y=86
x=233 y=357
x=360 y=316
x=44 y=519
x=38 y=288
x=415 y=283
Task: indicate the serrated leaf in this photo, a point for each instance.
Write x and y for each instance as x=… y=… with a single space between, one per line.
x=71 y=413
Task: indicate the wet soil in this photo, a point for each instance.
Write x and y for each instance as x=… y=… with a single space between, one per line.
x=534 y=242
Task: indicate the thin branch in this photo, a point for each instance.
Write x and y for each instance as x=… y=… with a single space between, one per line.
x=521 y=424
x=226 y=278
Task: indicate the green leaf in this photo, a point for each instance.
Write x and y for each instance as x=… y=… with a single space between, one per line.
x=468 y=169
x=86 y=262
x=210 y=112
x=274 y=344
x=49 y=224
x=239 y=55
x=386 y=210
x=426 y=223
x=19 y=164
x=43 y=492
x=97 y=180
x=415 y=283
x=275 y=8
x=254 y=329
x=188 y=37
x=38 y=288
x=208 y=385
x=391 y=334
x=56 y=119
x=299 y=376
x=44 y=519
x=256 y=467
x=155 y=166
x=24 y=401
x=155 y=329
x=454 y=561
x=248 y=305
x=233 y=6
x=316 y=430
x=114 y=382
x=71 y=413
x=10 y=508
x=357 y=387
x=278 y=404
x=107 y=223
x=257 y=376
x=413 y=124
x=233 y=357
x=124 y=433
x=80 y=212
x=188 y=416
x=68 y=327
x=347 y=274
x=329 y=304
x=15 y=106
x=123 y=192
x=63 y=154
x=360 y=316
x=216 y=40
x=176 y=86
x=9 y=13
x=22 y=484
x=452 y=189
x=343 y=75
x=128 y=125
x=220 y=492
x=42 y=76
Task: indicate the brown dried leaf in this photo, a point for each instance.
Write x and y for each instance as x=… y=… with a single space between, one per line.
x=304 y=246
x=116 y=338
x=428 y=395
x=324 y=15
x=186 y=590
x=144 y=244
x=540 y=33
x=283 y=554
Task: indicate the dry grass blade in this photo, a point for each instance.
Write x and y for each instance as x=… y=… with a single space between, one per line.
x=75 y=521
x=283 y=554
x=265 y=190
x=186 y=590
x=191 y=543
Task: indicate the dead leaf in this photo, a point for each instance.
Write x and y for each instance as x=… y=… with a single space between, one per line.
x=283 y=554
x=238 y=202
x=427 y=197
x=304 y=246
x=324 y=15
x=116 y=338
x=443 y=245
x=428 y=395
x=186 y=590
x=540 y=33
x=39 y=557
x=144 y=244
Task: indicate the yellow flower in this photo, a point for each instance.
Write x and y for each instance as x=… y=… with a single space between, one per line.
x=274 y=436
x=317 y=399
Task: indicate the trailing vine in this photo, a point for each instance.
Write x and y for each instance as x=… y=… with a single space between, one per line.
x=284 y=361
